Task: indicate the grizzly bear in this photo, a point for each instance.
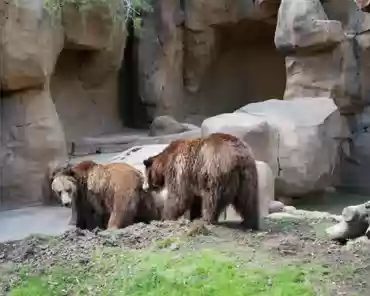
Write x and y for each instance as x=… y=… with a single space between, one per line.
x=106 y=196
x=205 y=175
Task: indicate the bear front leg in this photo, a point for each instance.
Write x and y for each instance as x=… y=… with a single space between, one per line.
x=73 y=220
x=114 y=221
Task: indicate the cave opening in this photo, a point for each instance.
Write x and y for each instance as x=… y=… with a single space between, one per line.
x=247 y=68
x=132 y=110
x=85 y=95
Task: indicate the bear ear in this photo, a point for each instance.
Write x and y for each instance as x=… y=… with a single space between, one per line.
x=80 y=170
x=148 y=162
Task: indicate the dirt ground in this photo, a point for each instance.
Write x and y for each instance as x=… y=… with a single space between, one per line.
x=345 y=267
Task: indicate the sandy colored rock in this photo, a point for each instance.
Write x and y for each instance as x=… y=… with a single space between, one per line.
x=31 y=138
x=296 y=138
x=289 y=209
x=85 y=86
x=304 y=24
x=256 y=131
x=314 y=75
x=88 y=29
x=276 y=206
x=29 y=45
x=160 y=60
x=194 y=53
x=307 y=149
x=167 y=125
x=266 y=187
x=355 y=175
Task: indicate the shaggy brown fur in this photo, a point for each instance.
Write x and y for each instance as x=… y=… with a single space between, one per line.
x=111 y=196
x=206 y=175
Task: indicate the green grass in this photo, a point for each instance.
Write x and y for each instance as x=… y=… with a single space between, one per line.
x=165 y=273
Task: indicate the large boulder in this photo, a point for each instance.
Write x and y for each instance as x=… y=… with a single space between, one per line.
x=306 y=144
x=304 y=24
x=136 y=155
x=262 y=137
x=314 y=48
x=167 y=125
x=88 y=29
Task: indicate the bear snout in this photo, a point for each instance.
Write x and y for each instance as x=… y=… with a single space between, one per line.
x=66 y=201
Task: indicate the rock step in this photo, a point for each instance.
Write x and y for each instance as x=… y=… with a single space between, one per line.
x=123 y=142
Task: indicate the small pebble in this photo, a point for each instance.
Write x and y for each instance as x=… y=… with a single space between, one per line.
x=275 y=206
x=289 y=209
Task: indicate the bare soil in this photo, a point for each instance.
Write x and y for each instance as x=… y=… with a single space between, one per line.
x=345 y=268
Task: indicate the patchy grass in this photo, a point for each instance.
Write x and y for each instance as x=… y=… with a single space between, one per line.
x=137 y=273
x=288 y=257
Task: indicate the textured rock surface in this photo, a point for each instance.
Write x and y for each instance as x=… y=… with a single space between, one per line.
x=311 y=44
x=84 y=87
x=355 y=77
x=167 y=125
x=266 y=187
x=302 y=147
x=355 y=175
x=41 y=104
x=304 y=25
x=308 y=151
x=256 y=131
x=204 y=51
x=29 y=45
x=31 y=137
x=90 y=30
x=161 y=60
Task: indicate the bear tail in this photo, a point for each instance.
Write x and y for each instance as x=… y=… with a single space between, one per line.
x=247 y=200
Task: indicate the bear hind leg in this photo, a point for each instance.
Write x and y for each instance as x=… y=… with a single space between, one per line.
x=123 y=214
x=211 y=207
x=247 y=206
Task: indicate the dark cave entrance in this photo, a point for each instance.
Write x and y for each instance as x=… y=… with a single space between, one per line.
x=132 y=110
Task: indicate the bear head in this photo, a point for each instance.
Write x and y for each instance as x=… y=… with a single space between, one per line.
x=65 y=182
x=65 y=189
x=154 y=174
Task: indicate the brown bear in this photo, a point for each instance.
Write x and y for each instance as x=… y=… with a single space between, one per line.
x=205 y=175
x=106 y=196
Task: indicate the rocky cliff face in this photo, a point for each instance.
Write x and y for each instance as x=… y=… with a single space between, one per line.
x=59 y=79
x=58 y=82
x=202 y=52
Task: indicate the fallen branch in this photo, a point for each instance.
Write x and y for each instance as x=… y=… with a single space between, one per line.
x=355 y=223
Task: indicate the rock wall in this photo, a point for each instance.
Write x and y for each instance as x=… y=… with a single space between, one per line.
x=84 y=83
x=356 y=53
x=194 y=54
x=41 y=106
